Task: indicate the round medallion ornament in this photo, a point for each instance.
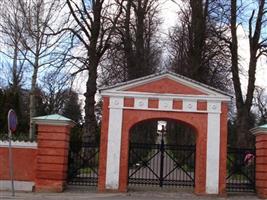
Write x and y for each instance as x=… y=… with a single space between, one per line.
x=116 y=102
x=189 y=106
x=141 y=103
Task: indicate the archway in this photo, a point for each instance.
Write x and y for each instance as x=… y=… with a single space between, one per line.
x=164 y=96
x=161 y=153
x=200 y=125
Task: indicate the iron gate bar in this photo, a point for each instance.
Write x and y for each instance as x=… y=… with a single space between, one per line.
x=161 y=163
x=146 y=165
x=241 y=175
x=83 y=165
x=238 y=170
x=145 y=162
x=152 y=181
x=179 y=166
x=84 y=160
x=161 y=179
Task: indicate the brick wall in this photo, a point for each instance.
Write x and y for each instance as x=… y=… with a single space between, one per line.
x=52 y=158
x=261 y=165
x=24 y=162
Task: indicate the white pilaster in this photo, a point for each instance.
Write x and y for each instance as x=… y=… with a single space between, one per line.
x=114 y=141
x=213 y=148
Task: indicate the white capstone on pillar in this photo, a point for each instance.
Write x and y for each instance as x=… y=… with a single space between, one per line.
x=213 y=148
x=114 y=141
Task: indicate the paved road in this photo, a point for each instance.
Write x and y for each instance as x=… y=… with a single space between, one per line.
x=133 y=195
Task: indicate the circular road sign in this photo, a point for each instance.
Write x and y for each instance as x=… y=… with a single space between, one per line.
x=12 y=120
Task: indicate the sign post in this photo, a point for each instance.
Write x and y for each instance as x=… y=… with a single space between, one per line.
x=12 y=126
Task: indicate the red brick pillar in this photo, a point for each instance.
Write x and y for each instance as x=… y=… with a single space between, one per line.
x=52 y=152
x=261 y=160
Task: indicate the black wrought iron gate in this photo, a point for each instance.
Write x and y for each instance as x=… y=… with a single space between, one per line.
x=240 y=170
x=83 y=165
x=162 y=164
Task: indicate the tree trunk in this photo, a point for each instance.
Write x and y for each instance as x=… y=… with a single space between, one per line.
x=15 y=75
x=244 y=138
x=33 y=103
x=234 y=58
x=140 y=67
x=90 y=119
x=128 y=44
x=197 y=38
x=90 y=133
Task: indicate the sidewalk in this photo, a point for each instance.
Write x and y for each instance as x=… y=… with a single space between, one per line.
x=90 y=195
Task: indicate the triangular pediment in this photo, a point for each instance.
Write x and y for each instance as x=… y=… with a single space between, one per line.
x=165 y=83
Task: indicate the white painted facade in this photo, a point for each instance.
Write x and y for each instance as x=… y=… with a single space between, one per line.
x=213 y=99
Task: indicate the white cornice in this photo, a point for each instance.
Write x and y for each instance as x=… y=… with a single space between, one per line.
x=166 y=96
x=163 y=110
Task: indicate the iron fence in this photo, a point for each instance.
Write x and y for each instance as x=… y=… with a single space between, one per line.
x=83 y=165
x=240 y=170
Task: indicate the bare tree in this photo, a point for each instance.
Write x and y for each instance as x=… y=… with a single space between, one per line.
x=44 y=51
x=257 y=44
x=93 y=24
x=11 y=29
x=55 y=86
x=135 y=50
x=195 y=47
x=13 y=66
